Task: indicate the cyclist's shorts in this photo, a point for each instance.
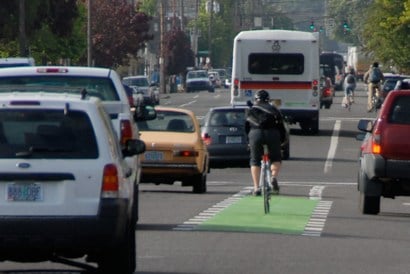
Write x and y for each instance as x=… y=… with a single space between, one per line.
x=258 y=137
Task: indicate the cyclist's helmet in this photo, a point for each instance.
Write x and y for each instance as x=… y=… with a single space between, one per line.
x=262 y=96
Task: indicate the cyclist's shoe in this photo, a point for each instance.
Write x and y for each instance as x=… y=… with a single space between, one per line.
x=275 y=186
x=257 y=192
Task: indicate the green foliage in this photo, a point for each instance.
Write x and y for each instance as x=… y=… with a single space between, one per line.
x=387 y=32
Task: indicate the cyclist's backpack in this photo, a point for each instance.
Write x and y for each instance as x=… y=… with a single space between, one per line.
x=374 y=76
x=350 y=79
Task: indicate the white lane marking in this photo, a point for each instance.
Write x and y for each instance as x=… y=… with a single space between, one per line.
x=192 y=223
x=290 y=183
x=187 y=104
x=317 y=220
x=333 y=145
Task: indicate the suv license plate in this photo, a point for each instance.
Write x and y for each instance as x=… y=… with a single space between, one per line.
x=24 y=192
x=154 y=156
x=233 y=139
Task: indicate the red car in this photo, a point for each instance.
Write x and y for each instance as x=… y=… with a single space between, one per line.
x=385 y=153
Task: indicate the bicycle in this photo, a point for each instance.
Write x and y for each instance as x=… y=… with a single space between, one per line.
x=265 y=179
x=376 y=100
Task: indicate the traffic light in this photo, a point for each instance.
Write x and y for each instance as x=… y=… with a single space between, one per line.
x=346 y=27
x=312 y=26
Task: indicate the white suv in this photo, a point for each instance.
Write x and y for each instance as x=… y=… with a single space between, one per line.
x=66 y=187
x=103 y=83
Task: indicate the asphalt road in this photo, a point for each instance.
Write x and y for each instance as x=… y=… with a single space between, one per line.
x=321 y=167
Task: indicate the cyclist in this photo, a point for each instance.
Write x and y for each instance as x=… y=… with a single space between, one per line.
x=350 y=86
x=264 y=125
x=373 y=78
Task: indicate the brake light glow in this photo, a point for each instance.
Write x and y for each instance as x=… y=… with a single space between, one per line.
x=126 y=131
x=207 y=139
x=110 y=182
x=315 y=85
x=186 y=153
x=52 y=70
x=376 y=147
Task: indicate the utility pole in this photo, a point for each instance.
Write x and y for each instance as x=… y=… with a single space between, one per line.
x=22 y=29
x=162 y=63
x=211 y=12
x=89 y=33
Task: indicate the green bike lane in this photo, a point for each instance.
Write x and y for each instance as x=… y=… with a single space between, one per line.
x=245 y=213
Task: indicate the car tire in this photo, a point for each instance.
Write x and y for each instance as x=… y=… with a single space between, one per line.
x=122 y=258
x=199 y=183
x=369 y=204
x=310 y=127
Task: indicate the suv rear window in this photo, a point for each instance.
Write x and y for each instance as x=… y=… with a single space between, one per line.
x=400 y=113
x=276 y=63
x=46 y=134
x=102 y=88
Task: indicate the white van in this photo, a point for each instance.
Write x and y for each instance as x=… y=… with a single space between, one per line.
x=284 y=63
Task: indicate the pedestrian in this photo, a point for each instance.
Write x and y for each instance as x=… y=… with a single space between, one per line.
x=264 y=125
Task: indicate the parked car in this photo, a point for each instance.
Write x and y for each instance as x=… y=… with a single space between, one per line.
x=385 y=153
x=16 y=62
x=175 y=150
x=223 y=131
x=197 y=80
x=141 y=85
x=67 y=188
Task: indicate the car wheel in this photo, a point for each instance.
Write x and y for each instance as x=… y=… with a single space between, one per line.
x=369 y=204
x=310 y=127
x=199 y=183
x=122 y=258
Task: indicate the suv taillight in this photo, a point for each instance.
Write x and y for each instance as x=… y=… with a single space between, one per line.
x=375 y=143
x=110 y=182
x=126 y=131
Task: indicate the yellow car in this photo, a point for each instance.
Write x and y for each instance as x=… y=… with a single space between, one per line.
x=175 y=150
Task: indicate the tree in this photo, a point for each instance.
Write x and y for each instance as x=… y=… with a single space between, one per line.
x=387 y=31
x=178 y=51
x=117 y=30
x=54 y=20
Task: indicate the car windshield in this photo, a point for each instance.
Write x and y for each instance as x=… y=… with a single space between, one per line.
x=197 y=74
x=168 y=121
x=102 y=88
x=46 y=134
x=139 y=82
x=235 y=117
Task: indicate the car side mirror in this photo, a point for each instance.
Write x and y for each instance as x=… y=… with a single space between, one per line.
x=133 y=147
x=365 y=125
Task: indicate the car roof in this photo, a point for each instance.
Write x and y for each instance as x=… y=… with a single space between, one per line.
x=182 y=110
x=135 y=77
x=230 y=107
x=48 y=96
x=56 y=70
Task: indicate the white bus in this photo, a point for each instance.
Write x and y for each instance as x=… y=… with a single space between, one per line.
x=284 y=63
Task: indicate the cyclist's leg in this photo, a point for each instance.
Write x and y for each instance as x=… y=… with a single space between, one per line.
x=256 y=151
x=370 y=97
x=275 y=157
